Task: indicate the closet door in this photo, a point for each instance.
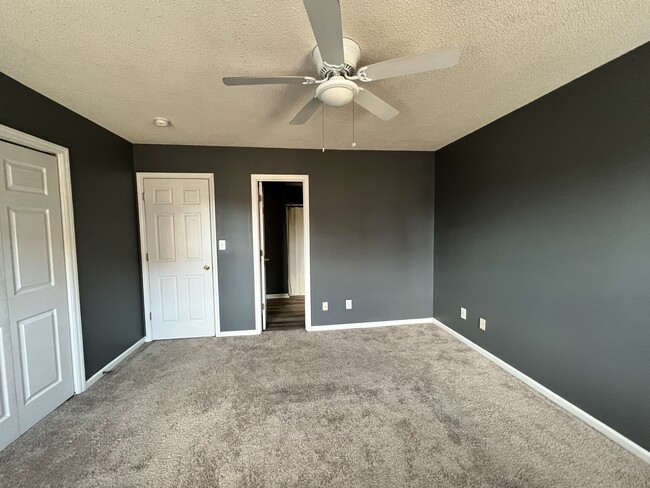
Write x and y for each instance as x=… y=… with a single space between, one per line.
x=9 y=428
x=36 y=294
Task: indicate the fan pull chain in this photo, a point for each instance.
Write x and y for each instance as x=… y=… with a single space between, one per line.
x=322 y=112
x=354 y=143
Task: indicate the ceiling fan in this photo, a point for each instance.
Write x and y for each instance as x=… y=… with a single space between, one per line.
x=336 y=58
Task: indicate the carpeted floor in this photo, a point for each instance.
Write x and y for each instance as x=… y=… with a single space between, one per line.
x=389 y=407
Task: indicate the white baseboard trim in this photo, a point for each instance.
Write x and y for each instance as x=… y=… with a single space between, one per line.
x=363 y=325
x=278 y=295
x=593 y=422
x=233 y=333
x=110 y=366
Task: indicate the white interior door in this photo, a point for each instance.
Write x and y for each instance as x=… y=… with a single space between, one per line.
x=260 y=199
x=9 y=428
x=36 y=293
x=179 y=253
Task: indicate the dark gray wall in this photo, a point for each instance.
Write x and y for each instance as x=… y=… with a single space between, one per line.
x=103 y=192
x=543 y=228
x=371 y=227
x=275 y=238
x=276 y=198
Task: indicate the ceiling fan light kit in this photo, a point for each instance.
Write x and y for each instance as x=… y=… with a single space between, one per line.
x=337 y=91
x=336 y=59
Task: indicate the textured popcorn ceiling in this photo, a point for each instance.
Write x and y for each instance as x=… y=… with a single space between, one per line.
x=120 y=63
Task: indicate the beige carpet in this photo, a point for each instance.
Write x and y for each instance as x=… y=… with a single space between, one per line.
x=389 y=407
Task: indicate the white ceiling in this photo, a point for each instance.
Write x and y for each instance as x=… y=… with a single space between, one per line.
x=120 y=63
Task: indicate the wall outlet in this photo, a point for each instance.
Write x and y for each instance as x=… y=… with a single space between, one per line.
x=326 y=306
x=222 y=244
x=348 y=304
x=481 y=324
x=463 y=313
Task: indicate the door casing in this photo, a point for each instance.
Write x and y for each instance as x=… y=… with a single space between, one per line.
x=146 y=294
x=262 y=258
x=257 y=272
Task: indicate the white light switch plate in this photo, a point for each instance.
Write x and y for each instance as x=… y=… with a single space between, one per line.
x=348 y=304
x=222 y=244
x=481 y=324
x=463 y=313
x=326 y=306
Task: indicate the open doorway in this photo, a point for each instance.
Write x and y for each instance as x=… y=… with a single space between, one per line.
x=281 y=251
x=284 y=255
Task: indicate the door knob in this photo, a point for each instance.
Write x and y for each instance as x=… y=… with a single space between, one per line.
x=206 y=267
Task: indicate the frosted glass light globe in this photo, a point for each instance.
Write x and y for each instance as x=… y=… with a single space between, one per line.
x=337 y=91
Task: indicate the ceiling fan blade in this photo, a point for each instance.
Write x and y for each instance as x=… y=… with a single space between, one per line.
x=307 y=111
x=325 y=19
x=375 y=105
x=272 y=80
x=418 y=63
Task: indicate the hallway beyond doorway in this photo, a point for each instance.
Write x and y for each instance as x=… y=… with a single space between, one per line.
x=285 y=313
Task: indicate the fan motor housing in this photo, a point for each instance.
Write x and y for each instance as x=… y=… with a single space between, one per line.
x=351 y=54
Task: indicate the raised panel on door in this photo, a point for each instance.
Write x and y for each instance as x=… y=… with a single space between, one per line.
x=195 y=297
x=163 y=196
x=165 y=237
x=25 y=177
x=168 y=298
x=36 y=292
x=31 y=248
x=39 y=354
x=193 y=238
x=191 y=196
x=179 y=248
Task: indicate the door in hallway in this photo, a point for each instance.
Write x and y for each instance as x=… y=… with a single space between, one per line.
x=179 y=253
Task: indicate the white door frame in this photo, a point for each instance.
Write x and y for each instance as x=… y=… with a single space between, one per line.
x=262 y=253
x=69 y=245
x=257 y=280
x=146 y=296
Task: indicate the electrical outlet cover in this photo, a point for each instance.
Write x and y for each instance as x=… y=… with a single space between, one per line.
x=481 y=324
x=325 y=306
x=463 y=313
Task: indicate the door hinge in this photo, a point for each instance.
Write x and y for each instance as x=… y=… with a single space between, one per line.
x=147 y=256
x=261 y=253
x=143 y=196
x=263 y=307
x=259 y=198
x=150 y=317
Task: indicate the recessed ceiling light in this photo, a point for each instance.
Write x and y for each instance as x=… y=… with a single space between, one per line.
x=162 y=121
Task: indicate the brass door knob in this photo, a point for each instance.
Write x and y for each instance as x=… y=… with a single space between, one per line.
x=206 y=267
